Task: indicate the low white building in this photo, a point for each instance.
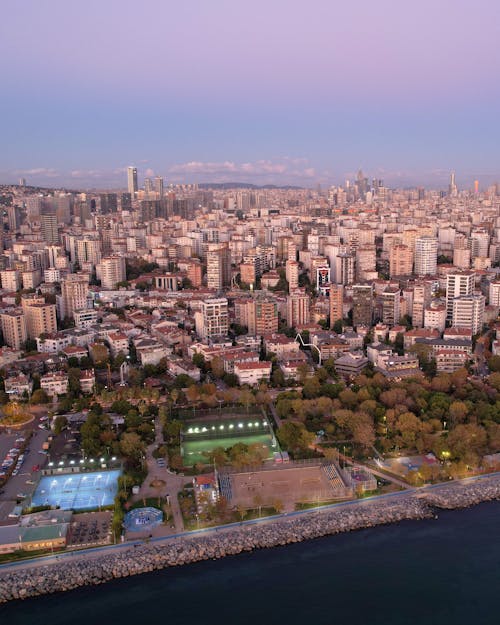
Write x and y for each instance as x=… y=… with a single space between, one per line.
x=55 y=383
x=52 y=343
x=252 y=372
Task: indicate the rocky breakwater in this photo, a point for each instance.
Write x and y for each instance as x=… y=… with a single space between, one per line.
x=464 y=494
x=91 y=569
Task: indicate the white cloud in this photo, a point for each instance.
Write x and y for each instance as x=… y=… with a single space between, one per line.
x=282 y=171
x=42 y=172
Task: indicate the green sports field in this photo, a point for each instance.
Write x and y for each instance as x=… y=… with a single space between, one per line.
x=192 y=450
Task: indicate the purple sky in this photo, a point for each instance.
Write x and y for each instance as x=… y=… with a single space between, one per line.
x=263 y=91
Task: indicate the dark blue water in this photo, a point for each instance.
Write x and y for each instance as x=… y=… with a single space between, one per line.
x=444 y=572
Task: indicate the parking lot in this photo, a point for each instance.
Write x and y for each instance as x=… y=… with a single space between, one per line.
x=19 y=484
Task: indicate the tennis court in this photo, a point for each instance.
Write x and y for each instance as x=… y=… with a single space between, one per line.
x=77 y=491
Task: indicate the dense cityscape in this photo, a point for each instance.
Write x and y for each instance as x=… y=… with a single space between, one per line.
x=335 y=343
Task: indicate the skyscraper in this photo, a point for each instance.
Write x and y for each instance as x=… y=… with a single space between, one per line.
x=159 y=186
x=452 y=189
x=132 y=180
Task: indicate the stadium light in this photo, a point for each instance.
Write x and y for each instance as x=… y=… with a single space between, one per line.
x=82 y=461
x=240 y=425
x=256 y=424
x=190 y=431
x=61 y=463
x=213 y=427
x=250 y=425
x=92 y=460
x=51 y=464
x=102 y=459
x=221 y=427
x=72 y=462
x=231 y=426
x=113 y=458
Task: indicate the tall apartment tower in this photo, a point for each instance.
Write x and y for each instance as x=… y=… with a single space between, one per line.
x=132 y=185
x=40 y=319
x=218 y=266
x=158 y=186
x=336 y=303
x=362 y=305
x=262 y=316
x=468 y=312
x=110 y=271
x=458 y=284
x=88 y=250
x=292 y=274
x=48 y=223
x=213 y=320
x=426 y=249
x=297 y=308
x=345 y=268
x=14 y=328
x=400 y=261
x=74 y=291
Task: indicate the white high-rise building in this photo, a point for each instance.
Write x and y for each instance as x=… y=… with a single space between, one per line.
x=458 y=284
x=132 y=185
x=212 y=321
x=110 y=271
x=426 y=249
x=468 y=312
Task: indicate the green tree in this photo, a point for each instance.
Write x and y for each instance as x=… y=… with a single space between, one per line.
x=39 y=397
x=294 y=436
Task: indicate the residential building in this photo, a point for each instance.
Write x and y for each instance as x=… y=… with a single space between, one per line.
x=212 y=321
x=426 y=249
x=336 y=303
x=362 y=304
x=14 y=328
x=111 y=271
x=468 y=312
x=252 y=373
x=74 y=293
x=218 y=266
x=297 y=308
x=55 y=383
x=400 y=261
x=458 y=284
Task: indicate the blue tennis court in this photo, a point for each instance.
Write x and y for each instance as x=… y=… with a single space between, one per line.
x=77 y=491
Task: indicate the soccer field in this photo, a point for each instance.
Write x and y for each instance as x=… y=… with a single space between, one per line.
x=193 y=449
x=77 y=491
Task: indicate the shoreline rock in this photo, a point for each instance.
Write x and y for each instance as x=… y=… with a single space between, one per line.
x=93 y=570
